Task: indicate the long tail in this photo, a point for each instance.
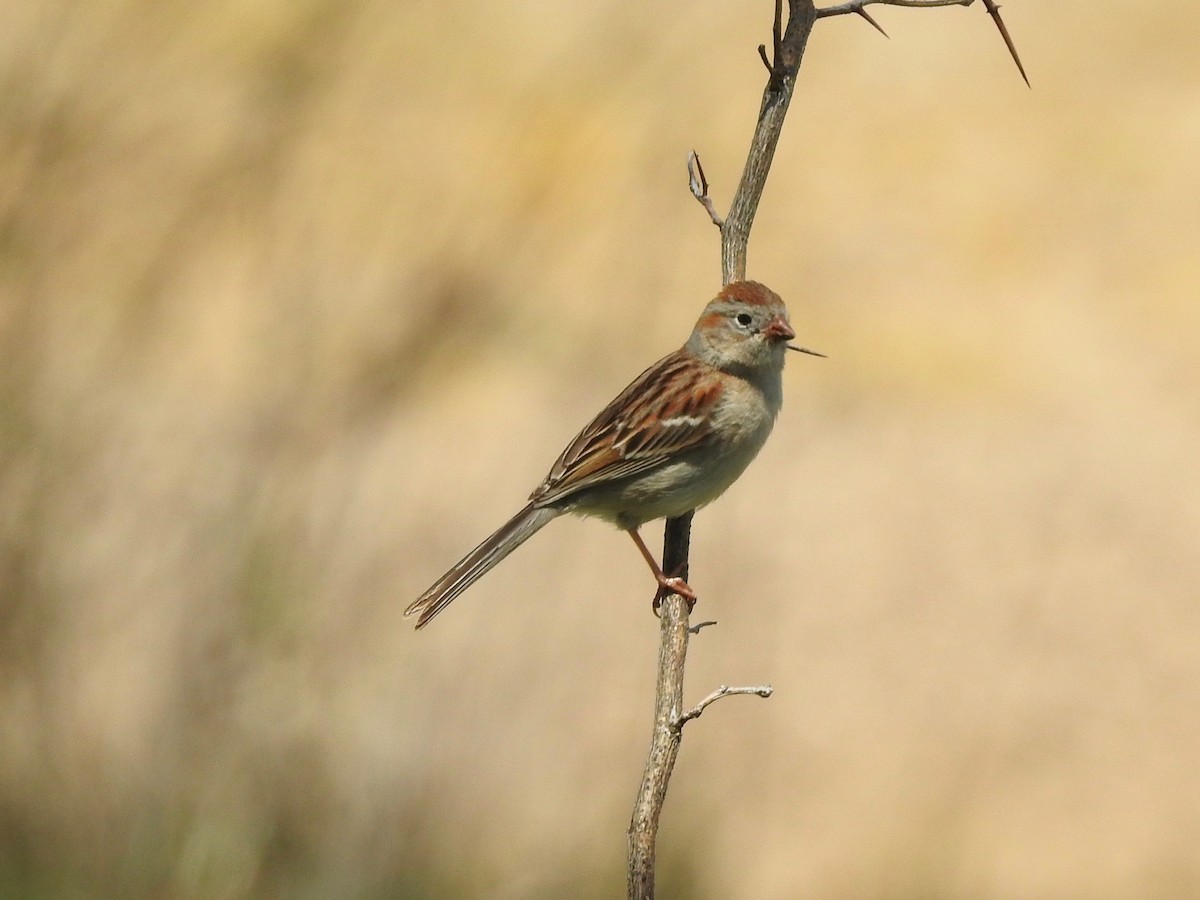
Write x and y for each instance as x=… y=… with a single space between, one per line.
x=511 y=535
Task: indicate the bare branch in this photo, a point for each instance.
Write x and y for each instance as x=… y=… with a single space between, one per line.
x=993 y=10
x=762 y=690
x=699 y=185
x=695 y=629
x=664 y=744
x=788 y=42
x=853 y=6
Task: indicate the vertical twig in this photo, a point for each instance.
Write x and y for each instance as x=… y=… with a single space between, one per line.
x=664 y=745
x=788 y=46
x=789 y=51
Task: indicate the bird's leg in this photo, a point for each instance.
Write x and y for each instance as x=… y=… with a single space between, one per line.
x=667 y=584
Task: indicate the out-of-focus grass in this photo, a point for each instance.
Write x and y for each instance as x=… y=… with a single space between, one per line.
x=298 y=300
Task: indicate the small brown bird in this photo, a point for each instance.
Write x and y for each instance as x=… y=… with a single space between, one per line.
x=671 y=442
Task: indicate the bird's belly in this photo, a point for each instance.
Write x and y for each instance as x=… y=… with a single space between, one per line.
x=671 y=489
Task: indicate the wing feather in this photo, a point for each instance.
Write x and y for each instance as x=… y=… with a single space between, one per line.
x=664 y=411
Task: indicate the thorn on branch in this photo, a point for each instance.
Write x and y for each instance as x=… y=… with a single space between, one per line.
x=993 y=10
x=866 y=15
x=762 y=690
x=699 y=186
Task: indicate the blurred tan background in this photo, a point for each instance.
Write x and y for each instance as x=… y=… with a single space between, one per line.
x=299 y=300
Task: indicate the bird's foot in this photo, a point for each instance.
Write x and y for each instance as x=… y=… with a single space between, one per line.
x=673 y=584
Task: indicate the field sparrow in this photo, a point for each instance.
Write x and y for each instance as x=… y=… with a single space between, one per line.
x=671 y=442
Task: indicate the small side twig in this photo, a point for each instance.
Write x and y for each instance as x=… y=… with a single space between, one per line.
x=762 y=54
x=762 y=690
x=699 y=185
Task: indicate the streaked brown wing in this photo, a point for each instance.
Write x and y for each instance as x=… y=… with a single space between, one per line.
x=664 y=411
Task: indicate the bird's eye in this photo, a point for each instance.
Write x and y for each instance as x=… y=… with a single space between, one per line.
x=743 y=319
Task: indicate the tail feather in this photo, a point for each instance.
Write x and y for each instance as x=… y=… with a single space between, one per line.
x=479 y=561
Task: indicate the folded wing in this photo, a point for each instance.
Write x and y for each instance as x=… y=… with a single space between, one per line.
x=665 y=411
